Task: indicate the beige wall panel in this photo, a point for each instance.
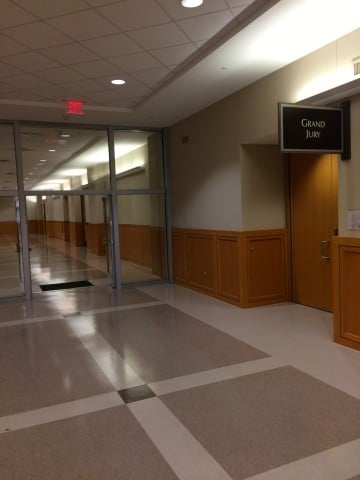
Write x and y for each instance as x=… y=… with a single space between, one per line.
x=262 y=187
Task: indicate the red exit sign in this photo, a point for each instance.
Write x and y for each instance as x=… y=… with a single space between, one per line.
x=74 y=107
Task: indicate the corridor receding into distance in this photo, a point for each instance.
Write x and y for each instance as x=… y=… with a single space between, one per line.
x=161 y=382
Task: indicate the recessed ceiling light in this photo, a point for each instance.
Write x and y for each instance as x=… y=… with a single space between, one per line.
x=52 y=150
x=118 y=82
x=191 y=3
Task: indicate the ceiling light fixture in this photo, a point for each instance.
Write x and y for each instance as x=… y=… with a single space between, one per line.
x=118 y=82
x=191 y=3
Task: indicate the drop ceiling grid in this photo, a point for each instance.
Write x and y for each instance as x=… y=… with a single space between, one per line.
x=61 y=48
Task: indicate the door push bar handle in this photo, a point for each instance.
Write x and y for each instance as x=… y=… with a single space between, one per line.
x=323 y=245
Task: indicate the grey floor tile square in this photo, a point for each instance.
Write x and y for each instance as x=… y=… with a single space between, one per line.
x=43 y=364
x=262 y=421
x=161 y=342
x=107 y=445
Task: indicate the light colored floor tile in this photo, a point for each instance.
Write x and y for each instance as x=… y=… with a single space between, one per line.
x=214 y=375
x=185 y=455
x=294 y=334
x=333 y=464
x=117 y=371
x=257 y=422
x=59 y=412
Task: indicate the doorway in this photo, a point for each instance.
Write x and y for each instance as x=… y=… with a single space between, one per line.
x=314 y=218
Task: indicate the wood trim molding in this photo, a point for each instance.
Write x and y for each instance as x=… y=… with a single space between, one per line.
x=346 y=291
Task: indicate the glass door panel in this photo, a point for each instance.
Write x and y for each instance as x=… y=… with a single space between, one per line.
x=142 y=238
x=11 y=269
x=65 y=158
x=138 y=160
x=108 y=239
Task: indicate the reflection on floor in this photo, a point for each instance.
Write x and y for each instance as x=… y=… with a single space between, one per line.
x=55 y=261
x=9 y=266
x=163 y=383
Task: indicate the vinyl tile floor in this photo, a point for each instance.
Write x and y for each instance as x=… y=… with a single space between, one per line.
x=164 y=383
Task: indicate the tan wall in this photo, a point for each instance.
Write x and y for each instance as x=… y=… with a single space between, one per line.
x=207 y=172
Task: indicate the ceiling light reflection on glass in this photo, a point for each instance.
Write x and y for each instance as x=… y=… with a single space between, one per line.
x=118 y=82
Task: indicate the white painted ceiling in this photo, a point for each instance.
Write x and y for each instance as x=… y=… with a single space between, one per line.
x=175 y=61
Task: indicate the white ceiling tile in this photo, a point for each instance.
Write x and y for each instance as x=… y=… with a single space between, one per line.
x=53 y=93
x=9 y=47
x=96 y=69
x=237 y=10
x=12 y=15
x=204 y=27
x=52 y=8
x=98 y=3
x=159 y=36
x=83 y=25
x=127 y=16
x=61 y=75
x=108 y=98
x=30 y=61
x=6 y=87
x=131 y=88
x=25 y=81
x=7 y=70
x=36 y=35
x=177 y=12
x=112 y=45
x=80 y=88
x=239 y=3
x=69 y=54
x=152 y=77
x=174 y=55
x=136 y=62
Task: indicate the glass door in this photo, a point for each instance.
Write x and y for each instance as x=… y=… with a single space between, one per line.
x=108 y=239
x=11 y=267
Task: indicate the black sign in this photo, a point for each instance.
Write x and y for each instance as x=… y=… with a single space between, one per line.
x=310 y=129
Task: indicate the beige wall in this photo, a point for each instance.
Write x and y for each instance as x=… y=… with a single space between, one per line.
x=262 y=187
x=349 y=174
x=219 y=183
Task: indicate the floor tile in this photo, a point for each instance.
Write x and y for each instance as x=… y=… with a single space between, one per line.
x=44 y=363
x=161 y=342
x=261 y=421
x=109 y=444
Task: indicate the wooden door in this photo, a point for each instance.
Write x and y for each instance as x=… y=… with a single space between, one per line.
x=314 y=186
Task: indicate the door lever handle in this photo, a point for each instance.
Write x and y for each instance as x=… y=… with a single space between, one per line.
x=323 y=245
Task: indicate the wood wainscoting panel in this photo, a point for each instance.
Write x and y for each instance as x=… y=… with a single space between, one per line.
x=8 y=228
x=76 y=234
x=136 y=244
x=228 y=260
x=179 y=257
x=95 y=233
x=346 y=291
x=201 y=261
x=265 y=268
x=244 y=268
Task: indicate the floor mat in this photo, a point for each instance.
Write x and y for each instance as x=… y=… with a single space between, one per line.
x=64 y=285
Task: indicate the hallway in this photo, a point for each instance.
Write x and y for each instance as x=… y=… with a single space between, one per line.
x=163 y=383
